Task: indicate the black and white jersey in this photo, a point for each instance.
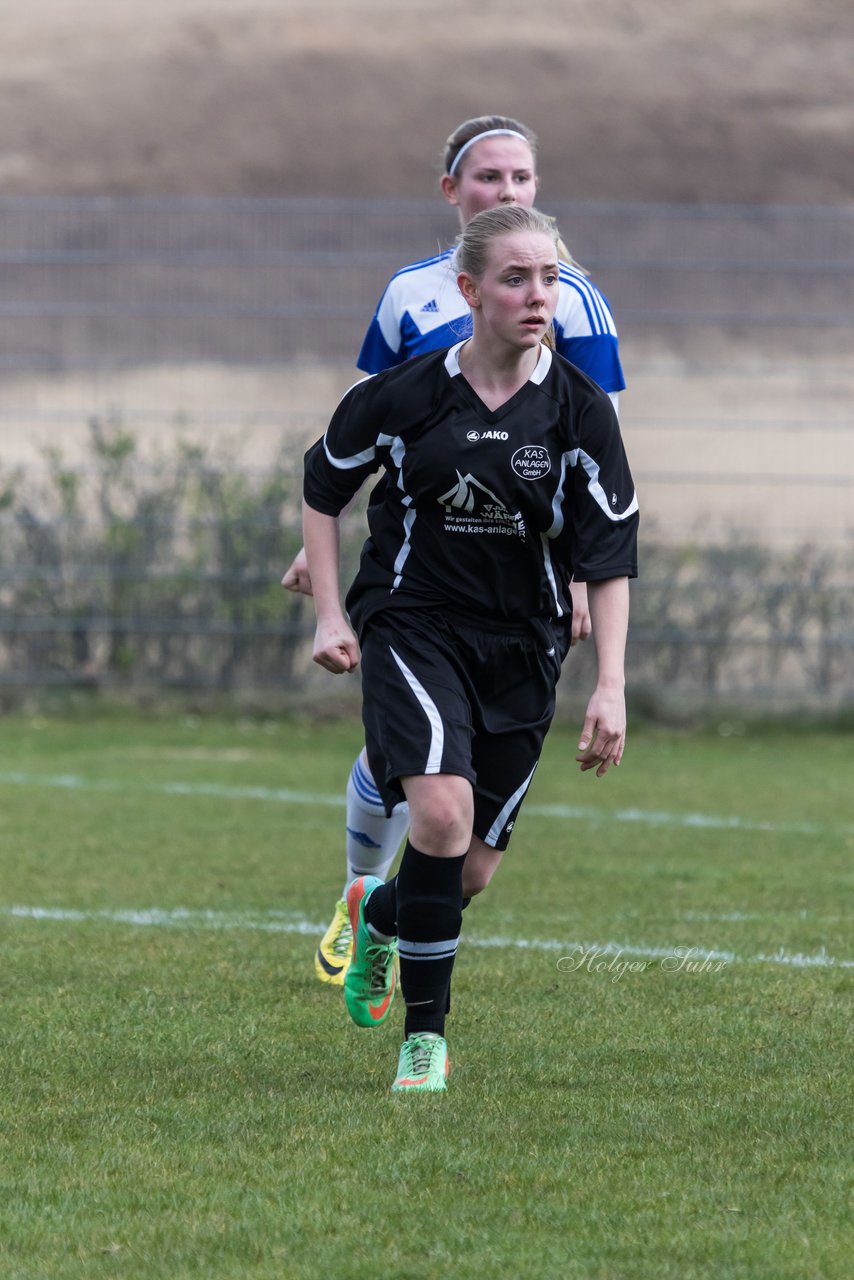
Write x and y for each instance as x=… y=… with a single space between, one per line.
x=486 y=514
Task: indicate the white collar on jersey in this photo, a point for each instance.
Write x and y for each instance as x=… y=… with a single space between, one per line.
x=544 y=363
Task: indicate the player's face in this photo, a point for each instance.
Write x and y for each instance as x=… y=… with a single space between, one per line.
x=515 y=298
x=492 y=172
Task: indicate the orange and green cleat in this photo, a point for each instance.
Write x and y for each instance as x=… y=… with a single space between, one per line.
x=423 y=1064
x=371 y=979
x=332 y=957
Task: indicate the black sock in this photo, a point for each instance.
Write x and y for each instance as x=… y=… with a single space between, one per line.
x=429 y=914
x=466 y=902
x=381 y=908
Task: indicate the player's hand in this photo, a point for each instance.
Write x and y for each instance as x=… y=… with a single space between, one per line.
x=297 y=576
x=581 y=623
x=603 y=736
x=336 y=647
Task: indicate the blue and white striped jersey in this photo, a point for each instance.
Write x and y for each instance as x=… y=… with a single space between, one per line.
x=422 y=310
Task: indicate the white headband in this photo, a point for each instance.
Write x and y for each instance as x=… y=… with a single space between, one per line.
x=490 y=133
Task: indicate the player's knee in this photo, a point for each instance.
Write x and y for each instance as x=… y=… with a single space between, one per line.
x=442 y=826
x=440 y=832
x=475 y=880
x=441 y=813
x=481 y=863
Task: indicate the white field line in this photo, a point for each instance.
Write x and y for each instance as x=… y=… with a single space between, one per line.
x=742 y=917
x=578 y=955
x=282 y=795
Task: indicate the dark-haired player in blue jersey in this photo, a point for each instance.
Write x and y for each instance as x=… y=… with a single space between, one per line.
x=503 y=475
x=487 y=161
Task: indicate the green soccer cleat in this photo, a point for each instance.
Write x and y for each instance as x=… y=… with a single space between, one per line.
x=371 y=979
x=423 y=1064
x=332 y=957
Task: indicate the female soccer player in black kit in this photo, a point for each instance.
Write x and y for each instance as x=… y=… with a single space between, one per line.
x=503 y=476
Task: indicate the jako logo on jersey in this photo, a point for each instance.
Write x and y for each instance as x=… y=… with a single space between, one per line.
x=613 y=499
x=531 y=462
x=486 y=435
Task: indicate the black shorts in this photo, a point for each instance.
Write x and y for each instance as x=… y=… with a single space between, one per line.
x=441 y=696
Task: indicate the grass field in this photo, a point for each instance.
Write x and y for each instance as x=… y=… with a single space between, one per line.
x=650 y=1044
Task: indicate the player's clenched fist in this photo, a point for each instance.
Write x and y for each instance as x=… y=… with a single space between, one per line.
x=296 y=576
x=336 y=647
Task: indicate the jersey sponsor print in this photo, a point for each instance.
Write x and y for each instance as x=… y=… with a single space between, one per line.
x=484 y=512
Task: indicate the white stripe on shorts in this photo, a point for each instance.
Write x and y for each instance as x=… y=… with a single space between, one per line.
x=499 y=823
x=431 y=711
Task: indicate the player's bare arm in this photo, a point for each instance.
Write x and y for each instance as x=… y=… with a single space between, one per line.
x=603 y=735
x=335 y=645
x=581 y=626
x=297 y=577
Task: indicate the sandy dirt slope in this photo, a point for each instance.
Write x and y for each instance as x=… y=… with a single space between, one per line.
x=663 y=100
x=742 y=100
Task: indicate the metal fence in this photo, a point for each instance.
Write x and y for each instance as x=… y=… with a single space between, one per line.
x=110 y=282
x=112 y=573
